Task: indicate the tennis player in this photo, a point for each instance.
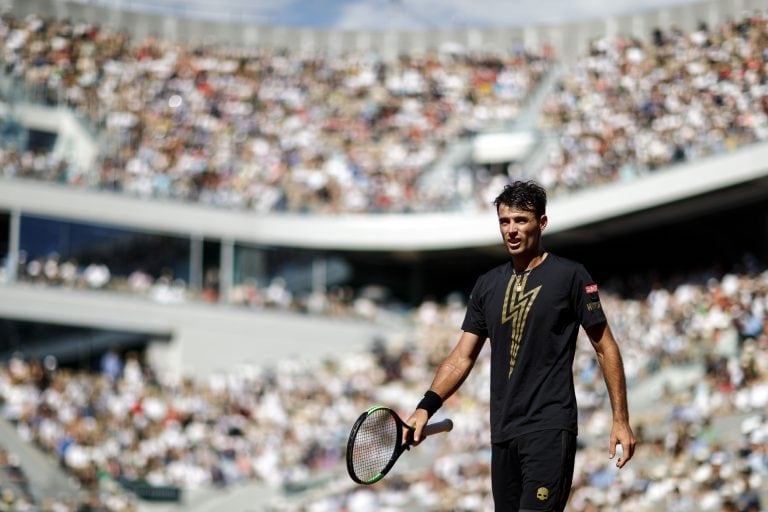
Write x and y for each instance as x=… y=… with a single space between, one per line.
x=531 y=309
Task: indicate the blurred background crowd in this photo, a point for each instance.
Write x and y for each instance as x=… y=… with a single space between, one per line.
x=264 y=130
x=634 y=106
x=273 y=131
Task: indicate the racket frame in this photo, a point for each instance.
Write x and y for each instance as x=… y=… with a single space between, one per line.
x=441 y=426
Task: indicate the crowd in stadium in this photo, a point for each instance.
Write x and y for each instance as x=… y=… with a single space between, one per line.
x=266 y=130
x=52 y=270
x=632 y=106
x=165 y=288
x=274 y=131
x=274 y=424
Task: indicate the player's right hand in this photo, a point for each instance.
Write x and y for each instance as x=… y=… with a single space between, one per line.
x=417 y=421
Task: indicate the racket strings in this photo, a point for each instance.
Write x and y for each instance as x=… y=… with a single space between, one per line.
x=374 y=445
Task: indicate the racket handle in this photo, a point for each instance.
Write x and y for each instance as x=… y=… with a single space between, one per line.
x=445 y=425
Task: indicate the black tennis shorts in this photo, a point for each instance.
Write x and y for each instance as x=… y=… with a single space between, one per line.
x=533 y=471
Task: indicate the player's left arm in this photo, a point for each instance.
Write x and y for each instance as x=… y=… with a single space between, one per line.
x=609 y=357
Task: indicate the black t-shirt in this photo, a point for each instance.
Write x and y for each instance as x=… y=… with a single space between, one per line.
x=532 y=320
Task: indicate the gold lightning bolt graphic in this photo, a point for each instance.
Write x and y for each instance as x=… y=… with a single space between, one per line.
x=517 y=305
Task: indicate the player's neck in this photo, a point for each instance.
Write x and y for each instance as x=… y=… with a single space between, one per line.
x=525 y=262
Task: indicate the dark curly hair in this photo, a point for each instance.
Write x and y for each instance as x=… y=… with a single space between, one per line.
x=524 y=195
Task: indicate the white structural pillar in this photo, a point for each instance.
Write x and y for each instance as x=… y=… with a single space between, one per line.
x=226 y=269
x=196 y=263
x=319 y=274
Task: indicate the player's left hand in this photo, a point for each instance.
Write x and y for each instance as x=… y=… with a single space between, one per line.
x=621 y=434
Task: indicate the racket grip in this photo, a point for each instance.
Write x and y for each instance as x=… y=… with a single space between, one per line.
x=445 y=425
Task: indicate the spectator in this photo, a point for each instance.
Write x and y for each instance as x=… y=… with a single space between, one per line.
x=111 y=365
x=96 y=275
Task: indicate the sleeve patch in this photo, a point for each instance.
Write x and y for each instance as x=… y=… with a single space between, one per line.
x=591 y=288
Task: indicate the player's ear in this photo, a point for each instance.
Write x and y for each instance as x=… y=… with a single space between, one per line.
x=543 y=221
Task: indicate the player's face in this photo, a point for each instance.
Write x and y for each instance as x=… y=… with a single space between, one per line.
x=520 y=230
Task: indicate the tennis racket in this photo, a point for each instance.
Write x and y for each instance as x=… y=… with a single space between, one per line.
x=376 y=441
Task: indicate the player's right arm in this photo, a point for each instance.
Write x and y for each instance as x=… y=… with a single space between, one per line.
x=449 y=376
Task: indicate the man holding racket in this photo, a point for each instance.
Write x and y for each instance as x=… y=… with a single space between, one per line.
x=531 y=309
